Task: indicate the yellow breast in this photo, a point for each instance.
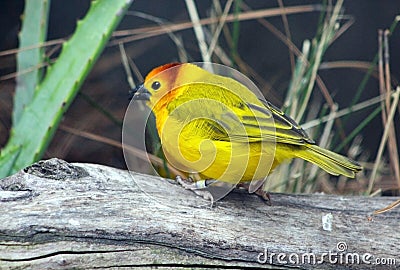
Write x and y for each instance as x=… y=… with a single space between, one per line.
x=194 y=152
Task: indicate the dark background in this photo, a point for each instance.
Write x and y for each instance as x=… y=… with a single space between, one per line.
x=260 y=49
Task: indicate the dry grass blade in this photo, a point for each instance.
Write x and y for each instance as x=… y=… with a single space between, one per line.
x=285 y=39
x=385 y=87
x=325 y=39
x=344 y=27
x=25 y=71
x=135 y=70
x=291 y=100
x=343 y=112
x=219 y=28
x=44 y=44
x=326 y=135
x=126 y=66
x=392 y=143
x=164 y=23
x=137 y=152
x=146 y=32
x=57 y=45
x=288 y=35
x=323 y=142
x=387 y=208
x=198 y=30
x=298 y=53
x=384 y=139
x=361 y=65
x=293 y=49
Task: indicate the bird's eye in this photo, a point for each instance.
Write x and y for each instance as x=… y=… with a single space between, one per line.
x=156 y=85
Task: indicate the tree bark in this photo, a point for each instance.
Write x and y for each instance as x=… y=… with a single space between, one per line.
x=56 y=215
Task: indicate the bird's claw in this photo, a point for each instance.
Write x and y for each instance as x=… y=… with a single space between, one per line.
x=259 y=192
x=264 y=195
x=198 y=187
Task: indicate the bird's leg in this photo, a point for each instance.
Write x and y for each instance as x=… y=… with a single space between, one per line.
x=198 y=187
x=259 y=192
x=264 y=195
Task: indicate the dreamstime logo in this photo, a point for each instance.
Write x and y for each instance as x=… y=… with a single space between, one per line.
x=204 y=114
x=340 y=256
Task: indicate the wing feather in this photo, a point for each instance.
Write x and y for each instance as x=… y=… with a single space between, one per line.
x=240 y=119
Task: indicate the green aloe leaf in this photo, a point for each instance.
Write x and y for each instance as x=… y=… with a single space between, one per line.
x=31 y=55
x=40 y=118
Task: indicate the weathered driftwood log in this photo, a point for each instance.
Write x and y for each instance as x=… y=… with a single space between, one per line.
x=59 y=215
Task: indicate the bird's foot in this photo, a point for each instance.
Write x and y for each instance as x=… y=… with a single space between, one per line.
x=264 y=195
x=259 y=192
x=198 y=187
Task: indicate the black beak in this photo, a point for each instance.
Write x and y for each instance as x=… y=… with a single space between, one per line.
x=139 y=93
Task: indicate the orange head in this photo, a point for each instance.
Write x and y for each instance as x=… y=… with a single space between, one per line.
x=158 y=90
x=158 y=83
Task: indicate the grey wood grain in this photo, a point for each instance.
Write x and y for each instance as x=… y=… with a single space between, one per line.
x=56 y=215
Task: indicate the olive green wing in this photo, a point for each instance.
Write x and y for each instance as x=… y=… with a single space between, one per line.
x=264 y=122
x=238 y=115
x=286 y=129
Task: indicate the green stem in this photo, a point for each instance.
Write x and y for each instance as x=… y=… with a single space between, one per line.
x=41 y=117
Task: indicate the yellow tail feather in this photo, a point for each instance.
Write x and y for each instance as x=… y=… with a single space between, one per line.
x=331 y=162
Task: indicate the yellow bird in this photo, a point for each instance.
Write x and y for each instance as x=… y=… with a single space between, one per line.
x=215 y=126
